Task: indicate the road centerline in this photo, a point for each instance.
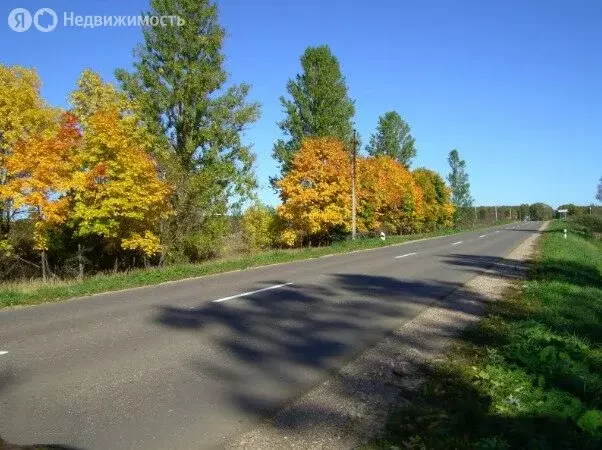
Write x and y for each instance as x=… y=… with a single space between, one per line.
x=457 y=243
x=407 y=254
x=3 y=352
x=482 y=236
x=244 y=294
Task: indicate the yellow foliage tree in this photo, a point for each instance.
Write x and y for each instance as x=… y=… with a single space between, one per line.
x=388 y=197
x=23 y=113
x=439 y=210
x=316 y=192
x=118 y=194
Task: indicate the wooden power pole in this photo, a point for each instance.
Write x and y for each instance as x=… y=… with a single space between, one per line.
x=353 y=193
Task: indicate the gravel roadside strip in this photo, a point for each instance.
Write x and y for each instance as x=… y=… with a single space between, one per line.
x=351 y=407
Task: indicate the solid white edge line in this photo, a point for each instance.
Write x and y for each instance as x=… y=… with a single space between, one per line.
x=482 y=236
x=3 y=352
x=403 y=256
x=457 y=243
x=244 y=294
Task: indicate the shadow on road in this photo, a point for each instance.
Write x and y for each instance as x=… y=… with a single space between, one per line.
x=7 y=446
x=289 y=339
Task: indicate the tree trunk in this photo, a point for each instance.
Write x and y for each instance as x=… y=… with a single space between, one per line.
x=43 y=257
x=80 y=263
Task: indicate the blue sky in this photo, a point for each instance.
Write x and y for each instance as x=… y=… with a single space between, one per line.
x=513 y=85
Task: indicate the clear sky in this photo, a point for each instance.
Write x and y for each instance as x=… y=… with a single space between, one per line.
x=514 y=85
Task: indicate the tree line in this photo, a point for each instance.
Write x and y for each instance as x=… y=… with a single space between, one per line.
x=156 y=171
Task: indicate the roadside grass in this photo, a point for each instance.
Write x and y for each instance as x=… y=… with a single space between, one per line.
x=529 y=375
x=35 y=292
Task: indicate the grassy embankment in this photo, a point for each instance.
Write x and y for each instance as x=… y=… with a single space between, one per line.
x=34 y=292
x=529 y=375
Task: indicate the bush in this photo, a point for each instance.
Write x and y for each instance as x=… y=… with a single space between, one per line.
x=208 y=243
x=590 y=223
x=261 y=227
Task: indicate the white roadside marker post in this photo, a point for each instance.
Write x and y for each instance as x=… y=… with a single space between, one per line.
x=565 y=233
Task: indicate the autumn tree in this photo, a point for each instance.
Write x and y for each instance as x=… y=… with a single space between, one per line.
x=318 y=106
x=24 y=116
x=316 y=192
x=388 y=198
x=185 y=100
x=260 y=226
x=40 y=176
x=439 y=210
x=392 y=138
x=388 y=192
x=459 y=184
x=117 y=192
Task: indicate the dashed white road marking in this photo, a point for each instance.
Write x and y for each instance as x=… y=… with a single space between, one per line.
x=403 y=256
x=457 y=243
x=482 y=236
x=244 y=294
x=3 y=352
x=496 y=231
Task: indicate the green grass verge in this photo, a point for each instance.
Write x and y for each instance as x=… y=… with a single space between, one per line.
x=529 y=375
x=35 y=292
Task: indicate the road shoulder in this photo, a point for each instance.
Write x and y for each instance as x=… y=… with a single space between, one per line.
x=351 y=407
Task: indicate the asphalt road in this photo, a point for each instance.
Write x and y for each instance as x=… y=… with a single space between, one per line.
x=191 y=363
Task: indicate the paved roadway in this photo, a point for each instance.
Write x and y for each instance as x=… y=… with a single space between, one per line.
x=189 y=364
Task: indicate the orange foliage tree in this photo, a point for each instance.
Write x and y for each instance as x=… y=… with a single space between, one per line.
x=40 y=170
x=316 y=192
x=24 y=119
x=388 y=197
x=439 y=210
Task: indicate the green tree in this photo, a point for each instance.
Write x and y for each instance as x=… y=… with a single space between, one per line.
x=572 y=209
x=319 y=105
x=459 y=184
x=179 y=85
x=523 y=210
x=541 y=211
x=392 y=138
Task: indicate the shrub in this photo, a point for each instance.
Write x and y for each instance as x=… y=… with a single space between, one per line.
x=590 y=223
x=260 y=227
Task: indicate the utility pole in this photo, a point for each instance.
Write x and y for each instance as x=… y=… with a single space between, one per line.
x=353 y=175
